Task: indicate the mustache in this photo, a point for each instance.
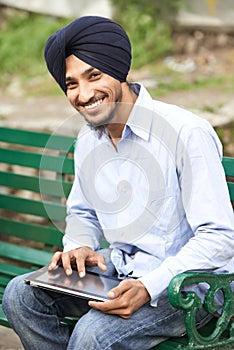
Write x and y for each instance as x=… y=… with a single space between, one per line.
x=90 y=101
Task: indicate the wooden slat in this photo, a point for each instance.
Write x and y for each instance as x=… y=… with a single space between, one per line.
x=4 y=281
x=49 y=235
x=37 y=139
x=53 y=187
x=54 y=211
x=24 y=254
x=3 y=320
x=12 y=270
x=59 y=164
x=231 y=190
x=228 y=165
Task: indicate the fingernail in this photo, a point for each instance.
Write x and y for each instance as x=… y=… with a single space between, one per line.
x=68 y=272
x=81 y=274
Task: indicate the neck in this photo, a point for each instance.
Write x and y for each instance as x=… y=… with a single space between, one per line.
x=123 y=110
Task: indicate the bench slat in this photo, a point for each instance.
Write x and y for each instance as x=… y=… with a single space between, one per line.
x=59 y=164
x=231 y=190
x=37 y=139
x=29 y=231
x=32 y=256
x=228 y=165
x=52 y=187
x=54 y=211
x=3 y=319
x=10 y=270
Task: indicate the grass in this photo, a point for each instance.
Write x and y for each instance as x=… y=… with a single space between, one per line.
x=22 y=40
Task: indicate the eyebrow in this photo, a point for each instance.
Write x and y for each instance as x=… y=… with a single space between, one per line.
x=86 y=72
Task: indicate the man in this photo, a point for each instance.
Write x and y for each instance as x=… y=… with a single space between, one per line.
x=149 y=179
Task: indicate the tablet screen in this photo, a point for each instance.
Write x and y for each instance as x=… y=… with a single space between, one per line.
x=92 y=286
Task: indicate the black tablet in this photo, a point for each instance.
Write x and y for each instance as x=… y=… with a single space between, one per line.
x=93 y=286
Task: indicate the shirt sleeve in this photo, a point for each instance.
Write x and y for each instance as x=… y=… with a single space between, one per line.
x=207 y=208
x=82 y=225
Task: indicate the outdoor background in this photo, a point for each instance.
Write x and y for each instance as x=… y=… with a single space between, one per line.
x=183 y=52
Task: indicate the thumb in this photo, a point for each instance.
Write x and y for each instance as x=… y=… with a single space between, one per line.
x=117 y=291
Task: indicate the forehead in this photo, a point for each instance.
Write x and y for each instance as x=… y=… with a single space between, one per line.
x=75 y=66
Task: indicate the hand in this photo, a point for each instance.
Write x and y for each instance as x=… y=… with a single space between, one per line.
x=126 y=298
x=78 y=257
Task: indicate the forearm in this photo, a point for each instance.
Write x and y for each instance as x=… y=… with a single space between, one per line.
x=80 y=232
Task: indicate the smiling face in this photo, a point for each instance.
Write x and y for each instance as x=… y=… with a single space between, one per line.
x=91 y=92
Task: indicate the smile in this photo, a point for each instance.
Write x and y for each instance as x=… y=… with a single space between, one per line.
x=94 y=104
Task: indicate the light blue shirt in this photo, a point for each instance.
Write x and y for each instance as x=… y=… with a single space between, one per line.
x=160 y=199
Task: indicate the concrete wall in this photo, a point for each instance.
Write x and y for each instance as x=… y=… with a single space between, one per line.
x=63 y=8
x=208 y=13
x=197 y=13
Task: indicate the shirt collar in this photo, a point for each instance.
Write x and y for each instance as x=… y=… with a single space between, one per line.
x=140 y=118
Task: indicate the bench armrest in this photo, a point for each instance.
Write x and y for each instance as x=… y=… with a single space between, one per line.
x=190 y=302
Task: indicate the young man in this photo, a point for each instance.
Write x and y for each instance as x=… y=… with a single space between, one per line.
x=149 y=179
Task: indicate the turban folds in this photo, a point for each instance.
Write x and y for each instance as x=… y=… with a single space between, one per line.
x=98 y=41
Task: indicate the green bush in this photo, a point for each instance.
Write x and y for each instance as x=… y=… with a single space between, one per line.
x=22 y=41
x=148 y=26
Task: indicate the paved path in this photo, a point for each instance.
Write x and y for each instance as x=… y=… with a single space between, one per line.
x=9 y=340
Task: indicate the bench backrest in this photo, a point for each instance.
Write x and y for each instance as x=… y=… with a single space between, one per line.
x=36 y=175
x=228 y=164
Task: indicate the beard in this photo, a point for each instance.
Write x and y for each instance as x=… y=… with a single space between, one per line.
x=100 y=126
x=107 y=118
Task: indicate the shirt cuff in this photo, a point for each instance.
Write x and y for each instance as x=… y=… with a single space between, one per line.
x=156 y=282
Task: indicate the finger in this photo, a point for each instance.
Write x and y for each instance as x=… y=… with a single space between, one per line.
x=66 y=259
x=96 y=259
x=80 y=263
x=101 y=263
x=55 y=260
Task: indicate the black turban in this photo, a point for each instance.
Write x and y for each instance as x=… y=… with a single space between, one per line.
x=98 y=41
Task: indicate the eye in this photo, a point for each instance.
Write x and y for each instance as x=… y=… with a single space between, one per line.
x=95 y=75
x=71 y=85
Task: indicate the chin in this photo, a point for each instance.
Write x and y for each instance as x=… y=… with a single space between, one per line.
x=99 y=121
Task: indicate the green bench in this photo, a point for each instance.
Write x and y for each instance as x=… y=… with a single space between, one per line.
x=36 y=175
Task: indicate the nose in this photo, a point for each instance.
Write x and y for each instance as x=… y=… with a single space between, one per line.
x=85 y=93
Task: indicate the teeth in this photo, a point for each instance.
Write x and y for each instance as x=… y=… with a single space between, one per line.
x=93 y=105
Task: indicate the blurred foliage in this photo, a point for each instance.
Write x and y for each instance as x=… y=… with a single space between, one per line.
x=23 y=35
x=148 y=26
x=22 y=40
x=155 y=8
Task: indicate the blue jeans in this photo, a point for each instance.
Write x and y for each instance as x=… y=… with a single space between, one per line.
x=35 y=315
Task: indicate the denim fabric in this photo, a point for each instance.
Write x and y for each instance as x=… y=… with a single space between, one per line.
x=35 y=315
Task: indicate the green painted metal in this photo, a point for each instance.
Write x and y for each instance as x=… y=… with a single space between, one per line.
x=191 y=303
x=54 y=211
x=228 y=166
x=53 y=187
x=35 y=160
x=28 y=255
x=37 y=139
x=9 y=270
x=30 y=231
